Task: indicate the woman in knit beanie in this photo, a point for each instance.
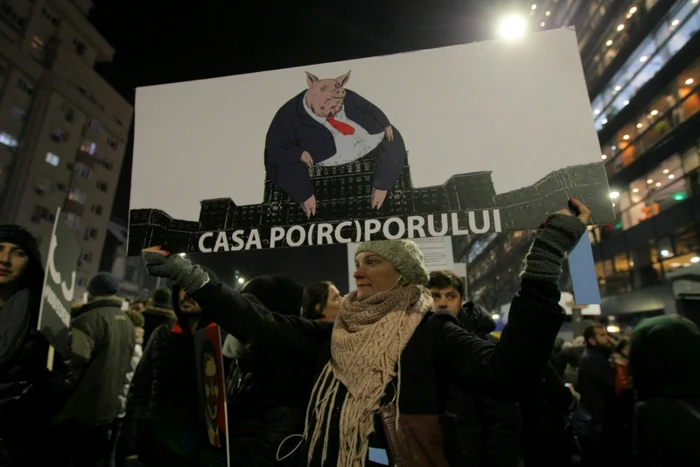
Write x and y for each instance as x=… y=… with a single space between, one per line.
x=387 y=350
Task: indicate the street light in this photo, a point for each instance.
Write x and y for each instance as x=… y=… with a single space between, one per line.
x=512 y=27
x=241 y=280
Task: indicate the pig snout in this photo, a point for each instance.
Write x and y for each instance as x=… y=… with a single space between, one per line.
x=338 y=93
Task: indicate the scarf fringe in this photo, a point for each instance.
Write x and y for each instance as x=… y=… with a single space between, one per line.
x=366 y=347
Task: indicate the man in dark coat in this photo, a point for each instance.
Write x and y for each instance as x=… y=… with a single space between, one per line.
x=30 y=395
x=162 y=426
x=102 y=345
x=263 y=409
x=596 y=384
x=489 y=429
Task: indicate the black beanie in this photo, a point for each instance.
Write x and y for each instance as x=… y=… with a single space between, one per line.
x=103 y=284
x=277 y=293
x=161 y=298
x=20 y=236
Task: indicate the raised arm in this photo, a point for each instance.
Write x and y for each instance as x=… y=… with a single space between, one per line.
x=517 y=364
x=255 y=326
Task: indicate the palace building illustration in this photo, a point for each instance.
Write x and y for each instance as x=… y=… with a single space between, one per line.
x=344 y=192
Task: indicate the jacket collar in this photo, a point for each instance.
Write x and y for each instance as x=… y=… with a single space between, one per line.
x=99 y=302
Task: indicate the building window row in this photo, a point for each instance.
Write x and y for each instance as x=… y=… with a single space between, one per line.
x=676 y=104
x=671 y=182
x=616 y=38
x=677 y=28
x=647 y=264
x=595 y=13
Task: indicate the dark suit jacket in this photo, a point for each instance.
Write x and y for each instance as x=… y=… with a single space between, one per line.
x=294 y=131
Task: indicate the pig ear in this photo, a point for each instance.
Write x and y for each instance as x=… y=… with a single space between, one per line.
x=311 y=79
x=343 y=80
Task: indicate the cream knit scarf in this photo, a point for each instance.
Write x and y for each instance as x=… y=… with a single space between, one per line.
x=366 y=345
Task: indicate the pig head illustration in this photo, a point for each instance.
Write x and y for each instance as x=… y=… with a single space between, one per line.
x=329 y=125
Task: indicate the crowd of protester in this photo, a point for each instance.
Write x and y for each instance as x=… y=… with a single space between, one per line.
x=402 y=371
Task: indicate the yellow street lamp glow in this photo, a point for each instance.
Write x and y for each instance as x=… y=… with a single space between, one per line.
x=512 y=27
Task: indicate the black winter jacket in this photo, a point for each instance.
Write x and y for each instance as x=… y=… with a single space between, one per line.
x=438 y=351
x=547 y=436
x=30 y=395
x=489 y=429
x=265 y=410
x=162 y=424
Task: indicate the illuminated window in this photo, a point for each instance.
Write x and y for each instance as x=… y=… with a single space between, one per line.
x=77 y=195
x=89 y=147
x=8 y=140
x=38 y=43
x=53 y=159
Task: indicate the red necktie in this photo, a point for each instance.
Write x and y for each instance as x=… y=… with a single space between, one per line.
x=343 y=128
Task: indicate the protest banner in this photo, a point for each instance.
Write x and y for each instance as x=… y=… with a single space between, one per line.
x=211 y=385
x=471 y=139
x=59 y=286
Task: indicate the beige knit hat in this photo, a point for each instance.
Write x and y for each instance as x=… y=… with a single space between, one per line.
x=403 y=254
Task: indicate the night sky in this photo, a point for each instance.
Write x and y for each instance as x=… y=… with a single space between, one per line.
x=159 y=41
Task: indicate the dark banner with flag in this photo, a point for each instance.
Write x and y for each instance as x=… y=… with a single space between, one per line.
x=212 y=396
x=59 y=286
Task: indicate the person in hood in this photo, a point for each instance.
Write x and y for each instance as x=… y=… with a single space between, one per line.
x=158 y=312
x=264 y=409
x=101 y=348
x=162 y=425
x=665 y=368
x=30 y=394
x=489 y=429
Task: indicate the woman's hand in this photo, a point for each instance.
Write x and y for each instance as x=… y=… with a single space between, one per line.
x=558 y=235
x=160 y=263
x=581 y=210
x=155 y=259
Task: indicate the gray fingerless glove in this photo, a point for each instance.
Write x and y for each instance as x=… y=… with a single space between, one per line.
x=558 y=236
x=184 y=274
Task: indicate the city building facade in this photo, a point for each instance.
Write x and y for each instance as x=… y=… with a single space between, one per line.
x=641 y=59
x=63 y=128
